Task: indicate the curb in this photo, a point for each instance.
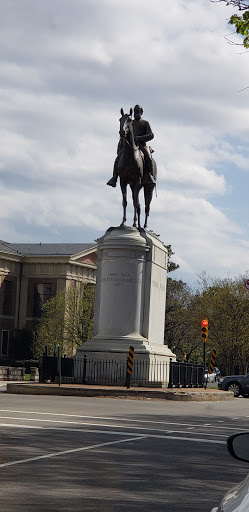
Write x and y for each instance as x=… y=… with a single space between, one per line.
x=135 y=393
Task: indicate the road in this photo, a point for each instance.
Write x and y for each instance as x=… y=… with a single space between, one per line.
x=92 y=454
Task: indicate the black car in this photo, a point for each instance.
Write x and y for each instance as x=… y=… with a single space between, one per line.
x=239 y=384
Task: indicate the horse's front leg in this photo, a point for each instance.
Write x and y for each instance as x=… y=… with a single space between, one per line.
x=124 y=202
x=135 y=218
x=138 y=216
x=146 y=220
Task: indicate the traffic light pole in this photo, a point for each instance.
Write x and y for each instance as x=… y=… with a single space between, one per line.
x=204 y=364
x=204 y=335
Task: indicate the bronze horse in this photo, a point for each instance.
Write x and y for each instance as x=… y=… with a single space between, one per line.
x=131 y=172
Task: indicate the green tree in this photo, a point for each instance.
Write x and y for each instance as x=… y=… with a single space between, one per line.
x=171 y=266
x=181 y=334
x=225 y=302
x=241 y=22
x=67 y=320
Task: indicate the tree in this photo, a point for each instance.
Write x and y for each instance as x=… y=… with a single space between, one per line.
x=225 y=302
x=171 y=266
x=181 y=334
x=67 y=320
x=241 y=22
x=241 y=4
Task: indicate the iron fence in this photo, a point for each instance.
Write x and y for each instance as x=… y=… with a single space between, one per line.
x=50 y=370
x=87 y=370
x=185 y=375
x=109 y=371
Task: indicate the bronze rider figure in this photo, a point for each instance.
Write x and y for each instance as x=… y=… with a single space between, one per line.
x=142 y=134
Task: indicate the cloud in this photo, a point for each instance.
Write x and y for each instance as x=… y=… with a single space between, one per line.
x=66 y=71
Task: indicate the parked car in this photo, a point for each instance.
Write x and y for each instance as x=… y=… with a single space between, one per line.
x=237 y=498
x=239 y=384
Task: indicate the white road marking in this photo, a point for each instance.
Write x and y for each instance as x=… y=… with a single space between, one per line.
x=100 y=445
x=114 y=418
x=94 y=431
x=66 y=452
x=148 y=436
x=19 y=426
x=119 y=433
x=110 y=425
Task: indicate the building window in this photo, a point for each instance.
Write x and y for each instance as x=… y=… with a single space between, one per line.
x=42 y=293
x=7 y=298
x=5 y=343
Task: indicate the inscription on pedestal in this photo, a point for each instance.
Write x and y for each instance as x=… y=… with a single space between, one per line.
x=120 y=279
x=159 y=286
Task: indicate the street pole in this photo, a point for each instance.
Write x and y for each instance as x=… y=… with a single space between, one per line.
x=59 y=364
x=204 y=363
x=204 y=335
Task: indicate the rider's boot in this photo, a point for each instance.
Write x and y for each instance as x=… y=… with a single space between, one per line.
x=151 y=179
x=113 y=181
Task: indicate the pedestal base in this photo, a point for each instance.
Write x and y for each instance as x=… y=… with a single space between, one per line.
x=105 y=362
x=129 y=311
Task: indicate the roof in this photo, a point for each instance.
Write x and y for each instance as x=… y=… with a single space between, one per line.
x=5 y=247
x=45 y=249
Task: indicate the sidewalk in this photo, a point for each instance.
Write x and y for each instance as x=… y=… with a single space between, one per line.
x=178 y=394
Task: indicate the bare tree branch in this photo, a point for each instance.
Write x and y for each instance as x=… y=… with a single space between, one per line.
x=241 y=90
x=242 y=5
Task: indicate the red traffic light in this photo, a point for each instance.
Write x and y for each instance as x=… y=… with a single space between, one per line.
x=204 y=329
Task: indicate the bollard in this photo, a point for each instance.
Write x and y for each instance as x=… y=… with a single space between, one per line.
x=129 y=367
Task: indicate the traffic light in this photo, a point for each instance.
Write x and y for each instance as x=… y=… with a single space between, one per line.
x=204 y=329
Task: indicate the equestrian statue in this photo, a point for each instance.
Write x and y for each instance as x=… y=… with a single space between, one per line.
x=134 y=163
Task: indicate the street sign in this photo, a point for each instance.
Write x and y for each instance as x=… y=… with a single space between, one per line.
x=212 y=362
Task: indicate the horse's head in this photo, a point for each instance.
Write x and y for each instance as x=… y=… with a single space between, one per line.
x=125 y=123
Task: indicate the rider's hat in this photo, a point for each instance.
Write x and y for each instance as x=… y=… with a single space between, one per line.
x=138 y=107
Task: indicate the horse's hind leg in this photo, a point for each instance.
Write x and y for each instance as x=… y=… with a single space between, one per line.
x=148 y=193
x=124 y=202
x=137 y=209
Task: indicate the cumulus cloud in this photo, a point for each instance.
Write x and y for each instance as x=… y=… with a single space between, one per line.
x=65 y=72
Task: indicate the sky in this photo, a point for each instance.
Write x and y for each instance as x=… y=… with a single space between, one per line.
x=66 y=69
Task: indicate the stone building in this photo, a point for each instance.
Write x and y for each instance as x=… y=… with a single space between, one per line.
x=31 y=274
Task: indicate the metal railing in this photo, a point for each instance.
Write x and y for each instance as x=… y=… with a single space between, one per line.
x=108 y=371
x=185 y=375
x=87 y=370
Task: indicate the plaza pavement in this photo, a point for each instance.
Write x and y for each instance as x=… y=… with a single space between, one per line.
x=177 y=394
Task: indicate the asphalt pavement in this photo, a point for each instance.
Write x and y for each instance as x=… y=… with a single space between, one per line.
x=89 y=454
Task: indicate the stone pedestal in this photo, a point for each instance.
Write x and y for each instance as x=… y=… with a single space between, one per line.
x=130 y=298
